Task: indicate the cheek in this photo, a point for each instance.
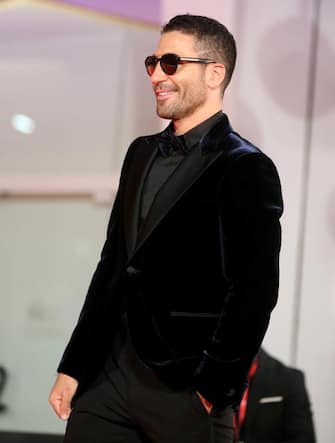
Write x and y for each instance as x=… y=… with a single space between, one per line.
x=174 y=83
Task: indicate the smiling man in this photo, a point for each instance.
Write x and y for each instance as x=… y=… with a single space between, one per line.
x=182 y=295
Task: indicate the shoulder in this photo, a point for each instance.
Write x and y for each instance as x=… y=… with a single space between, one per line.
x=222 y=137
x=238 y=153
x=279 y=368
x=239 y=145
x=135 y=144
x=246 y=161
x=137 y=147
x=241 y=151
x=144 y=140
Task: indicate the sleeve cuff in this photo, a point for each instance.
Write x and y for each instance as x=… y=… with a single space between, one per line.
x=222 y=382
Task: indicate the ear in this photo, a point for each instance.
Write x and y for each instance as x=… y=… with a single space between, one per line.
x=215 y=75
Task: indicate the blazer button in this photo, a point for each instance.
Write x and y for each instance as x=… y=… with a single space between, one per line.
x=132 y=272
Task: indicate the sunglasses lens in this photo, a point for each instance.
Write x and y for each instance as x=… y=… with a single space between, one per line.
x=169 y=63
x=150 y=64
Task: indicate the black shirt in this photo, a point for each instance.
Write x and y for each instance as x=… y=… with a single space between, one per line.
x=172 y=150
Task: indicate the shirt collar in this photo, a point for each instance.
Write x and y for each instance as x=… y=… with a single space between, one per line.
x=194 y=135
x=169 y=142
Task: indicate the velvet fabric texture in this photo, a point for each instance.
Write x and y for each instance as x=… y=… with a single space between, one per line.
x=199 y=278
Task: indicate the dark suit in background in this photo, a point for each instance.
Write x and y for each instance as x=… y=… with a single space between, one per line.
x=278 y=407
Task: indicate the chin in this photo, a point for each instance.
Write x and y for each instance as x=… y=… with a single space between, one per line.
x=162 y=114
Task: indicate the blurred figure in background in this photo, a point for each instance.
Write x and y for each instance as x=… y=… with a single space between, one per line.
x=3 y=381
x=276 y=406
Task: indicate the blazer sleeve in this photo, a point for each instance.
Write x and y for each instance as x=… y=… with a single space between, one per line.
x=89 y=343
x=87 y=346
x=250 y=208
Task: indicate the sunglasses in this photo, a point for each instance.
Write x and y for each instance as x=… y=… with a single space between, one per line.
x=169 y=62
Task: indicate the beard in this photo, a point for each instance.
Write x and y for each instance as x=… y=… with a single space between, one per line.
x=186 y=102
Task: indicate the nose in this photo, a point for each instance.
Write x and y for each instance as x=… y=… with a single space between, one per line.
x=158 y=75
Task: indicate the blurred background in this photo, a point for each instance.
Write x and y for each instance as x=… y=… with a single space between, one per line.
x=74 y=94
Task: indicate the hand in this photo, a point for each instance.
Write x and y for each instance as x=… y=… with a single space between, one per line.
x=206 y=404
x=61 y=395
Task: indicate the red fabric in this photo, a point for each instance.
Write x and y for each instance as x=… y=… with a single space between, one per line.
x=240 y=415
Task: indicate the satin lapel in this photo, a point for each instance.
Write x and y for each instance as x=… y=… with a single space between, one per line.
x=189 y=171
x=138 y=168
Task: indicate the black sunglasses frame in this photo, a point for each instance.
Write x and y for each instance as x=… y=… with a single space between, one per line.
x=169 y=62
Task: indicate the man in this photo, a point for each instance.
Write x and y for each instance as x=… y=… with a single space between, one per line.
x=188 y=276
x=276 y=406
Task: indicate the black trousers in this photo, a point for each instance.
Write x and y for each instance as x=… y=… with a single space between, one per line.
x=128 y=403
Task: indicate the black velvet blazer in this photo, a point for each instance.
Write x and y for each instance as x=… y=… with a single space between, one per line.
x=199 y=279
x=278 y=408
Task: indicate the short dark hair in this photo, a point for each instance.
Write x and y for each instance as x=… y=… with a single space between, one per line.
x=213 y=39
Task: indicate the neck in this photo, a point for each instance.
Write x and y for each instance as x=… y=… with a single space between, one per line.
x=185 y=124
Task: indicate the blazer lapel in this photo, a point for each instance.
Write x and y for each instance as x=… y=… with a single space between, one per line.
x=138 y=168
x=186 y=174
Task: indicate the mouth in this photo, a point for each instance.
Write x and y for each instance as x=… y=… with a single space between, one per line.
x=164 y=94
